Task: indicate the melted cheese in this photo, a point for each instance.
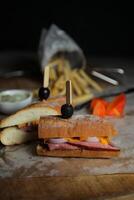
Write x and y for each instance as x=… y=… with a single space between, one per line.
x=72 y=139
x=102 y=140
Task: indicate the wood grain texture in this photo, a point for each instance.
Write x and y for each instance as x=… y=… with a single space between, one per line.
x=120 y=187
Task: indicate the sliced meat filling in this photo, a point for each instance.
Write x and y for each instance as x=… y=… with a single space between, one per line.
x=81 y=145
x=94 y=145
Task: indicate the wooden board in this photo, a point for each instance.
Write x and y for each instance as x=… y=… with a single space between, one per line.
x=67 y=188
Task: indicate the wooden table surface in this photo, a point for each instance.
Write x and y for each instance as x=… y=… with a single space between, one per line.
x=118 y=187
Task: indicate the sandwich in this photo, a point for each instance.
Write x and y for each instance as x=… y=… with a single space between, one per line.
x=22 y=126
x=85 y=136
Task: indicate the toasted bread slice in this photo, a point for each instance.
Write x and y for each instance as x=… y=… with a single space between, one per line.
x=80 y=153
x=76 y=126
x=32 y=113
x=14 y=135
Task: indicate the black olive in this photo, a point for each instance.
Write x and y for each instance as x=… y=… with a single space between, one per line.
x=44 y=93
x=67 y=110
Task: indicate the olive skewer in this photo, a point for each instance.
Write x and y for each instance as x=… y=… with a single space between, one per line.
x=44 y=91
x=67 y=109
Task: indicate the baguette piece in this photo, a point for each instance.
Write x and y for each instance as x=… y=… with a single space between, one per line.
x=79 y=153
x=14 y=135
x=33 y=113
x=76 y=126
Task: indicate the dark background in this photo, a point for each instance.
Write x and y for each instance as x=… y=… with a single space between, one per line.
x=98 y=28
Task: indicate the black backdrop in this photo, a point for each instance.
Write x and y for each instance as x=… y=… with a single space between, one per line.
x=98 y=28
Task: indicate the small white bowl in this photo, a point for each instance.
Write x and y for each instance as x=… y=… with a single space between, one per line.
x=10 y=106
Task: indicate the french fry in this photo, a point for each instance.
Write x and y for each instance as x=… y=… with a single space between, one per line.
x=54 y=62
x=82 y=84
x=79 y=87
x=54 y=92
x=67 y=64
x=52 y=75
x=67 y=70
x=75 y=87
x=63 y=92
x=86 y=90
x=60 y=82
x=60 y=67
x=66 y=73
x=91 y=82
x=79 y=79
x=83 y=98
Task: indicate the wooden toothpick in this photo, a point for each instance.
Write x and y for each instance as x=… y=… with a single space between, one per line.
x=68 y=92
x=67 y=109
x=46 y=77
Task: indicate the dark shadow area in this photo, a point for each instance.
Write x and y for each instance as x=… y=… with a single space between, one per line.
x=100 y=29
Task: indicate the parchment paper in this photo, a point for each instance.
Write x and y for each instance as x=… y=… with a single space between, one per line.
x=54 y=41
x=22 y=161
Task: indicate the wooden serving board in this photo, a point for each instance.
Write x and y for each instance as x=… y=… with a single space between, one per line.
x=117 y=187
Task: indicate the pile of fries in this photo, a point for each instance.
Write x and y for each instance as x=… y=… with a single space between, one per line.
x=82 y=84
